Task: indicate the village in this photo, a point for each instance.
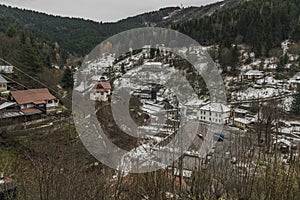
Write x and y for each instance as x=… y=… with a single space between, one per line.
x=253 y=94
x=242 y=116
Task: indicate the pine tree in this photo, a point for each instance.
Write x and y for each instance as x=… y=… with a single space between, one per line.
x=29 y=59
x=296 y=102
x=67 y=79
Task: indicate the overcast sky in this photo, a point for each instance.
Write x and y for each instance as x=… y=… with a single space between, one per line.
x=100 y=10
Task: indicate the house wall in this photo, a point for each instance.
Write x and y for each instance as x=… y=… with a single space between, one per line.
x=26 y=106
x=239 y=124
x=100 y=96
x=52 y=103
x=3 y=87
x=214 y=117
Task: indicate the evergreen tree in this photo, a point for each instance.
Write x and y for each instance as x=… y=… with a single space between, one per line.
x=29 y=59
x=296 y=102
x=11 y=31
x=67 y=79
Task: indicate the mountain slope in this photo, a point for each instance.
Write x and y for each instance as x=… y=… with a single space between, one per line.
x=79 y=36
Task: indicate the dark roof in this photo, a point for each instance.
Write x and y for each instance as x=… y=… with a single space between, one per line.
x=32 y=95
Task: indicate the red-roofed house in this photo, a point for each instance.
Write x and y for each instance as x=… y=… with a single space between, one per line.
x=101 y=91
x=34 y=101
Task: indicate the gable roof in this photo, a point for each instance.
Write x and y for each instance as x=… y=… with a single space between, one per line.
x=32 y=95
x=3 y=80
x=216 y=107
x=254 y=73
x=105 y=85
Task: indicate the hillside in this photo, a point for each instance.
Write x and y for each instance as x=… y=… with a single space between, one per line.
x=79 y=36
x=262 y=25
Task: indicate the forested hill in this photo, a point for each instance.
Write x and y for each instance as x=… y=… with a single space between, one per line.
x=79 y=36
x=262 y=24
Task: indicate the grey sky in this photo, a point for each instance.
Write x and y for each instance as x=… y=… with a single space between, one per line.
x=100 y=10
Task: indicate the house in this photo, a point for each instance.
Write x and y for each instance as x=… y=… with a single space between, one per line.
x=254 y=74
x=214 y=113
x=148 y=94
x=295 y=80
x=98 y=78
x=101 y=91
x=241 y=123
x=34 y=101
x=6 y=69
x=238 y=112
x=3 y=84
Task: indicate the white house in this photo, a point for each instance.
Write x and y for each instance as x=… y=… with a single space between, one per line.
x=6 y=69
x=215 y=113
x=254 y=74
x=295 y=80
x=241 y=122
x=101 y=91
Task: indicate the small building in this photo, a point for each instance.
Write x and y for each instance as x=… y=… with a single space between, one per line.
x=3 y=84
x=149 y=94
x=6 y=69
x=254 y=75
x=295 y=80
x=238 y=112
x=214 y=113
x=34 y=101
x=101 y=91
x=241 y=123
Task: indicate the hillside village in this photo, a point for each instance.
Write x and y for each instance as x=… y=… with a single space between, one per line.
x=152 y=104
x=253 y=93
x=243 y=114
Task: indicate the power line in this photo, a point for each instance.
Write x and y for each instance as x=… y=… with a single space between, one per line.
x=38 y=81
x=14 y=81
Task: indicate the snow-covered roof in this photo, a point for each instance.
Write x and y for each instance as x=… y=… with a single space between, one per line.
x=242 y=120
x=242 y=111
x=6 y=104
x=296 y=76
x=3 y=80
x=216 y=107
x=195 y=103
x=7 y=69
x=153 y=64
x=284 y=141
x=254 y=73
x=99 y=78
x=269 y=80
